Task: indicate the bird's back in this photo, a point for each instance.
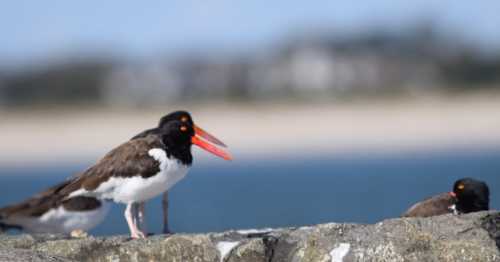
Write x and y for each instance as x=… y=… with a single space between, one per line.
x=127 y=160
x=433 y=206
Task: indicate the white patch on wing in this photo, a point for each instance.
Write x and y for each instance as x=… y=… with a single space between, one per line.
x=60 y=220
x=159 y=155
x=137 y=188
x=337 y=254
x=254 y=231
x=225 y=247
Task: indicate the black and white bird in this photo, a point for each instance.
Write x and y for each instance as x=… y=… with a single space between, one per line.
x=141 y=169
x=50 y=212
x=185 y=118
x=468 y=195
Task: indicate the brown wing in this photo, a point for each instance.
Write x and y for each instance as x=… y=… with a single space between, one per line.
x=433 y=206
x=40 y=203
x=36 y=205
x=127 y=160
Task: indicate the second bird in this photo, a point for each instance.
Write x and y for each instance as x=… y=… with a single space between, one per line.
x=468 y=195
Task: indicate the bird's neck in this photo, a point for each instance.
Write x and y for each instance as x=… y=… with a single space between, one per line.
x=467 y=205
x=146 y=133
x=182 y=152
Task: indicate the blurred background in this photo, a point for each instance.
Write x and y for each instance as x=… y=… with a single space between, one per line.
x=334 y=111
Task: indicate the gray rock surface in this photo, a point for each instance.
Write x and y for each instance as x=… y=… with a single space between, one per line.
x=472 y=237
x=17 y=255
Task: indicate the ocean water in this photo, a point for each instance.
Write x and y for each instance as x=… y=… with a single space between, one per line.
x=222 y=195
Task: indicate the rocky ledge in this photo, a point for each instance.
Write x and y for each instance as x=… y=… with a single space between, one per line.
x=472 y=237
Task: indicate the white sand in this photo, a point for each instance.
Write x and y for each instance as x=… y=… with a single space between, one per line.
x=263 y=130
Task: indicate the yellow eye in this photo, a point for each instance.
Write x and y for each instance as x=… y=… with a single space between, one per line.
x=184 y=119
x=184 y=128
x=461 y=187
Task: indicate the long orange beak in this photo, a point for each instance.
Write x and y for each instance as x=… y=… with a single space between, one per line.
x=210 y=148
x=199 y=131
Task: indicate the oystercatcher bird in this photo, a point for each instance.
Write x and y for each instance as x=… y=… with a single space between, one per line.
x=184 y=117
x=468 y=195
x=141 y=169
x=50 y=212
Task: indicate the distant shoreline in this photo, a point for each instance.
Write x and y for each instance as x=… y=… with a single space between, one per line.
x=263 y=130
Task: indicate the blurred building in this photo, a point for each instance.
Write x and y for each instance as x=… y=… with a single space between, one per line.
x=141 y=85
x=308 y=65
x=296 y=68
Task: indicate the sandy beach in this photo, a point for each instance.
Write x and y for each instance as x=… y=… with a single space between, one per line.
x=263 y=130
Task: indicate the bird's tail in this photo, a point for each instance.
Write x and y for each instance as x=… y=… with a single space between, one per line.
x=4 y=227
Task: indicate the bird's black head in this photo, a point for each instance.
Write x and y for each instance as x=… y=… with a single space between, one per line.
x=178 y=132
x=472 y=195
x=185 y=118
x=181 y=116
x=176 y=137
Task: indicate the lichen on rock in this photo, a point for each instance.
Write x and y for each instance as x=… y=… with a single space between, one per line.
x=471 y=237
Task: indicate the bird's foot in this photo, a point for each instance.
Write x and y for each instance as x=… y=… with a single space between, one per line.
x=138 y=235
x=78 y=233
x=168 y=232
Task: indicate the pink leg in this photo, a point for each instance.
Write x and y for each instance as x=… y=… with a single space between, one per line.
x=166 y=229
x=130 y=214
x=141 y=218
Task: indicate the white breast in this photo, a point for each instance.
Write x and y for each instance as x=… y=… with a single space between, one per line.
x=137 y=188
x=60 y=220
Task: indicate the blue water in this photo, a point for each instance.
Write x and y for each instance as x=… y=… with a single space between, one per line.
x=292 y=192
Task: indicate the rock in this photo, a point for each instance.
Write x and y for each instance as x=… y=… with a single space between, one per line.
x=442 y=238
x=252 y=250
x=16 y=255
x=471 y=237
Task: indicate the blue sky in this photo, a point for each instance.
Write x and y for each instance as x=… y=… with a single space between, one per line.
x=35 y=29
